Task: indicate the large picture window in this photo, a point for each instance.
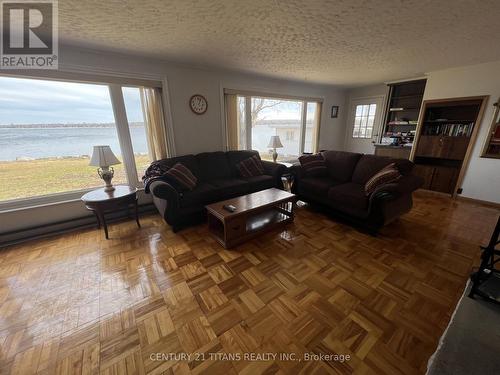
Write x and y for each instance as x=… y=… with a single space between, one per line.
x=48 y=129
x=259 y=118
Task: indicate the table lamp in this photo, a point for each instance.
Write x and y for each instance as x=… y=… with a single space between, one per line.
x=275 y=143
x=103 y=157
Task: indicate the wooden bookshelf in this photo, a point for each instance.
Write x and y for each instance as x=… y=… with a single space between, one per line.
x=445 y=138
x=401 y=117
x=403 y=107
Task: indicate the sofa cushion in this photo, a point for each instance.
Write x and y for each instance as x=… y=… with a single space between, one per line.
x=181 y=177
x=316 y=186
x=386 y=175
x=367 y=166
x=348 y=197
x=235 y=157
x=257 y=183
x=250 y=167
x=313 y=165
x=341 y=164
x=213 y=165
x=229 y=187
x=201 y=195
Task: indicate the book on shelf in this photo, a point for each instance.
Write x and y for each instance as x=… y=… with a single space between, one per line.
x=451 y=130
x=398 y=123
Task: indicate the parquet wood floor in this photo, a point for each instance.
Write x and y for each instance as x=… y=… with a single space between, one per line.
x=76 y=303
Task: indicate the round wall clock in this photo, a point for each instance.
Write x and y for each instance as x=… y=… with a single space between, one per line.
x=198 y=104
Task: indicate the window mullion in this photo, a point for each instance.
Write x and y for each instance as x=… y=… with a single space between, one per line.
x=122 y=128
x=302 y=137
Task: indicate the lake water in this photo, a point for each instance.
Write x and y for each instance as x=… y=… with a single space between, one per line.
x=39 y=143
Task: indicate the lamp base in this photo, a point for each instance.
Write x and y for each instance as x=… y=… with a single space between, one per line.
x=275 y=155
x=107 y=173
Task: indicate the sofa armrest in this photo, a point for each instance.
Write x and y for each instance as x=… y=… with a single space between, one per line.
x=405 y=185
x=164 y=190
x=273 y=169
x=296 y=170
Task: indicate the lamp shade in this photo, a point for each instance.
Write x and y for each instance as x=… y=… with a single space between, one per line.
x=275 y=142
x=102 y=156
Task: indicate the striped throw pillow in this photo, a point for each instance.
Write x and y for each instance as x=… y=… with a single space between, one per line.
x=313 y=165
x=250 y=167
x=386 y=175
x=182 y=176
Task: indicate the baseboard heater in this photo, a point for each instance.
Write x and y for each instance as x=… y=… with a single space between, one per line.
x=88 y=221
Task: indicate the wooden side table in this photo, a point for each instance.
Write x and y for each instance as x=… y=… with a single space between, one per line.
x=101 y=202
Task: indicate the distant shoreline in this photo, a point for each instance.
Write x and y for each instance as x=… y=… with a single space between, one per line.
x=67 y=126
x=56 y=158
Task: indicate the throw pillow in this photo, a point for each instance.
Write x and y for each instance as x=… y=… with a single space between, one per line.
x=250 y=167
x=313 y=165
x=182 y=176
x=386 y=175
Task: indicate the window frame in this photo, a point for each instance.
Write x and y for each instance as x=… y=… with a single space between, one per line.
x=367 y=117
x=248 y=95
x=115 y=85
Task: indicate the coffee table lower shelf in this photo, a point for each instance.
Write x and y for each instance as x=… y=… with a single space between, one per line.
x=232 y=231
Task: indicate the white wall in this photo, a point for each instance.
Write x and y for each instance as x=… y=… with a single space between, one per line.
x=192 y=133
x=482 y=177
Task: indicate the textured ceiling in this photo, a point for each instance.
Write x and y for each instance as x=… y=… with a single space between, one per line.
x=346 y=42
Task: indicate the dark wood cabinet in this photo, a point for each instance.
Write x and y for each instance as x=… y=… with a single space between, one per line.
x=426 y=173
x=454 y=148
x=437 y=178
x=445 y=147
x=429 y=146
x=446 y=133
x=444 y=179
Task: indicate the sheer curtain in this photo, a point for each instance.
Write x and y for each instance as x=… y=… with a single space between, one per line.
x=315 y=135
x=232 y=131
x=154 y=122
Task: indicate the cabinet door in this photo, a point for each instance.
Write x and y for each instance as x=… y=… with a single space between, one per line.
x=444 y=179
x=426 y=172
x=454 y=147
x=429 y=146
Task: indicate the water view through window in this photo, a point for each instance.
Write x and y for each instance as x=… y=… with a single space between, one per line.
x=47 y=131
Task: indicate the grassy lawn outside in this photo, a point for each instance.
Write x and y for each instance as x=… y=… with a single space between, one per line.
x=23 y=179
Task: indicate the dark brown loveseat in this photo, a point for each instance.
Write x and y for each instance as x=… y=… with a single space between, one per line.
x=218 y=179
x=342 y=188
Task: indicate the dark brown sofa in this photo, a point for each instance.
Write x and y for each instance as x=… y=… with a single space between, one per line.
x=342 y=189
x=218 y=179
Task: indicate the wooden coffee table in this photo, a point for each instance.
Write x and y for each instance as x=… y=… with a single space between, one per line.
x=255 y=213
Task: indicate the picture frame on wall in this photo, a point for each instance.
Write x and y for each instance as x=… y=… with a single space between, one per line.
x=335 y=111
